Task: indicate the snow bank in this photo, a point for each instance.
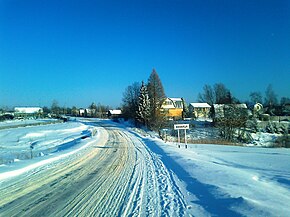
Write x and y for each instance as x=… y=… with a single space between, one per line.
x=36 y=163
x=230 y=180
x=16 y=143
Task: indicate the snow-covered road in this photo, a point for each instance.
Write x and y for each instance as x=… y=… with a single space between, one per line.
x=117 y=175
x=122 y=171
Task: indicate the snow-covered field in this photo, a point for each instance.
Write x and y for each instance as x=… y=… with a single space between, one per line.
x=16 y=143
x=23 y=122
x=225 y=180
x=148 y=176
x=251 y=181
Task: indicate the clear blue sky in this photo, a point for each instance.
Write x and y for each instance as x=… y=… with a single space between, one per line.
x=83 y=51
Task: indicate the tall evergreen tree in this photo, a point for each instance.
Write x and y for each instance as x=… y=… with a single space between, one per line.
x=156 y=96
x=185 y=112
x=143 y=112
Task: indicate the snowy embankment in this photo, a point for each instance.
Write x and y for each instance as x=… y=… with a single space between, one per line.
x=22 y=142
x=230 y=180
x=26 y=122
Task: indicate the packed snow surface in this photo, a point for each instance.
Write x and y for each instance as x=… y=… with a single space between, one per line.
x=19 y=143
x=155 y=178
x=230 y=180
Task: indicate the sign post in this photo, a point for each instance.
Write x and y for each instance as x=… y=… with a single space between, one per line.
x=185 y=139
x=178 y=138
x=181 y=127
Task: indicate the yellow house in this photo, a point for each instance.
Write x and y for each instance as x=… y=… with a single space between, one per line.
x=172 y=108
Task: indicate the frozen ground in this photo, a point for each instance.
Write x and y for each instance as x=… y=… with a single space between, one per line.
x=16 y=143
x=250 y=181
x=230 y=180
x=23 y=122
x=128 y=172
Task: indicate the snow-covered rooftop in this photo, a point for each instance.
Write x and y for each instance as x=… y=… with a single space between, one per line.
x=27 y=110
x=200 y=105
x=115 y=112
x=242 y=105
x=174 y=99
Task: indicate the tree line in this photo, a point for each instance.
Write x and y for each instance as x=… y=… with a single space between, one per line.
x=142 y=102
x=94 y=110
x=220 y=94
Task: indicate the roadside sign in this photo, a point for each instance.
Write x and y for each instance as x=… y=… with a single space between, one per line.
x=181 y=126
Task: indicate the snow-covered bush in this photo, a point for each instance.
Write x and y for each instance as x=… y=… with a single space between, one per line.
x=276 y=127
x=252 y=125
x=270 y=128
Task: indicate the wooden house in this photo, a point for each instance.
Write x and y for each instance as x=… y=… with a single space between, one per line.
x=172 y=108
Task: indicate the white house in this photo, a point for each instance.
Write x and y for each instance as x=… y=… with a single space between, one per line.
x=220 y=110
x=114 y=113
x=200 y=110
x=28 y=110
x=81 y=112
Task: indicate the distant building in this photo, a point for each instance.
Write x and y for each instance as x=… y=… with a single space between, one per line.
x=90 y=112
x=28 y=111
x=257 y=109
x=82 y=112
x=172 y=108
x=221 y=110
x=114 y=113
x=199 y=110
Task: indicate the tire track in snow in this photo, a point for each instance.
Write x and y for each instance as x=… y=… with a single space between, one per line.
x=118 y=176
x=154 y=186
x=91 y=185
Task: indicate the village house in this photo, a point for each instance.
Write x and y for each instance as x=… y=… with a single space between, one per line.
x=223 y=110
x=82 y=112
x=87 y=112
x=116 y=113
x=199 y=110
x=172 y=108
x=27 y=111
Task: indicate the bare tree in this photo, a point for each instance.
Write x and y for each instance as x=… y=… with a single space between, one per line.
x=101 y=110
x=130 y=101
x=207 y=96
x=74 y=111
x=93 y=110
x=270 y=97
x=256 y=97
x=55 y=109
x=218 y=94
x=222 y=94
x=232 y=123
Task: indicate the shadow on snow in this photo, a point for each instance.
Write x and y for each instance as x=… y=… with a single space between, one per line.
x=215 y=206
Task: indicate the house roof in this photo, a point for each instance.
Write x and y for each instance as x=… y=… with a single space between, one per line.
x=242 y=105
x=27 y=110
x=115 y=112
x=176 y=103
x=175 y=99
x=200 y=105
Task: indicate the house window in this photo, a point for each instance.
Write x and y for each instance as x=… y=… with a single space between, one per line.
x=178 y=104
x=168 y=102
